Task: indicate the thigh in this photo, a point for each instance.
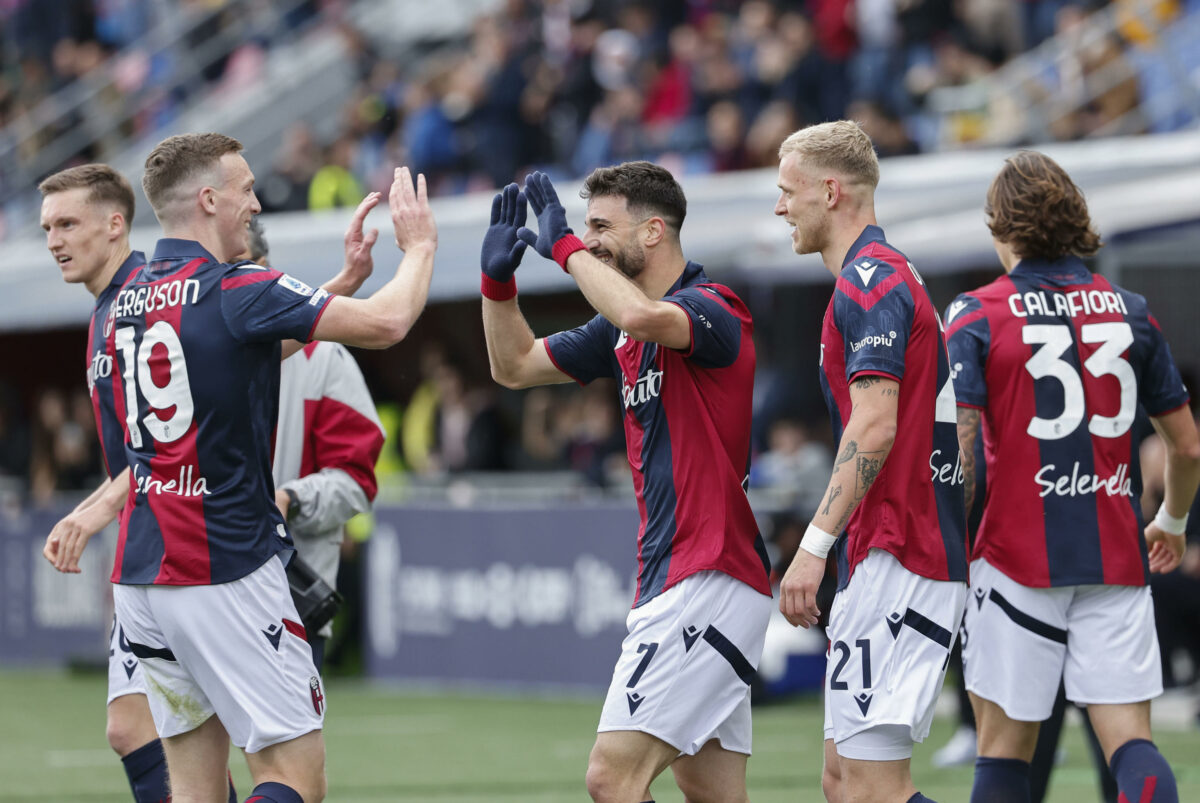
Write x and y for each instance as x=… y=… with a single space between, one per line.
x=197 y=762
x=1014 y=642
x=999 y=736
x=1112 y=646
x=890 y=637
x=685 y=668
x=243 y=644
x=713 y=774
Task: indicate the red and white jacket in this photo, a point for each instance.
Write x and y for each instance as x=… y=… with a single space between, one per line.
x=326 y=444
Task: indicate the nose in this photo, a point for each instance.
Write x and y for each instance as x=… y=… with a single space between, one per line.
x=780 y=206
x=255 y=206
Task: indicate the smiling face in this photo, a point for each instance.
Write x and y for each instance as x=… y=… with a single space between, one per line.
x=612 y=235
x=803 y=204
x=234 y=204
x=80 y=233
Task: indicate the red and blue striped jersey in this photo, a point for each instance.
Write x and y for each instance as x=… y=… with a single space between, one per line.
x=1058 y=360
x=881 y=322
x=110 y=427
x=687 y=434
x=197 y=346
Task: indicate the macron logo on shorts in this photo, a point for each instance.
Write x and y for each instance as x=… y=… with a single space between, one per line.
x=635 y=700
x=273 y=633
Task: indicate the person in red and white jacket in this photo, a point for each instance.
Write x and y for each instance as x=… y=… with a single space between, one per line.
x=327 y=441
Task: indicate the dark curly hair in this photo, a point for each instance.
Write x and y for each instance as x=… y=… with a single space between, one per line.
x=646 y=188
x=1035 y=208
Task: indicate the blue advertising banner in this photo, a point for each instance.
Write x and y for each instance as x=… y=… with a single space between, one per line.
x=500 y=596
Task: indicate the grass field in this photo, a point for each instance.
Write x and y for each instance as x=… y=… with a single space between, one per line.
x=386 y=745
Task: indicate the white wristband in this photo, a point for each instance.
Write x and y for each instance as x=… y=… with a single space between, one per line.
x=1168 y=523
x=817 y=542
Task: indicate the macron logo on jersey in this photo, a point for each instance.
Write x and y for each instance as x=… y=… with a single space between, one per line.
x=955 y=308
x=865 y=271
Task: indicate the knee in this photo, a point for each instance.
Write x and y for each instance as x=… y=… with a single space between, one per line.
x=124 y=736
x=605 y=782
x=831 y=784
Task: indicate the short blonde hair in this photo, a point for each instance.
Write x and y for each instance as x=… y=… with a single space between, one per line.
x=178 y=159
x=842 y=146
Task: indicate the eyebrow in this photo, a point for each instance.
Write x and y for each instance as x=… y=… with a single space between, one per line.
x=597 y=221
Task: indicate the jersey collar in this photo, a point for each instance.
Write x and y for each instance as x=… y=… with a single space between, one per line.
x=1067 y=270
x=871 y=234
x=132 y=262
x=693 y=273
x=172 y=248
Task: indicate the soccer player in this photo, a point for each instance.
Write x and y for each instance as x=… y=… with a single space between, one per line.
x=85 y=213
x=896 y=488
x=326 y=444
x=201 y=590
x=1053 y=361
x=680 y=348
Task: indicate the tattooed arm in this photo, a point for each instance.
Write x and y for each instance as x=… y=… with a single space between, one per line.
x=968 y=432
x=865 y=445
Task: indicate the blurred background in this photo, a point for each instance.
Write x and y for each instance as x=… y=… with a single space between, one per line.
x=500 y=556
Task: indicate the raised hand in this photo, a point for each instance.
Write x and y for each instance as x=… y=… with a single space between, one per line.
x=551 y=216
x=358 y=244
x=501 y=251
x=412 y=219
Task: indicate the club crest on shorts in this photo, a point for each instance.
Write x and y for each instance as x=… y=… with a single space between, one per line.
x=318 y=696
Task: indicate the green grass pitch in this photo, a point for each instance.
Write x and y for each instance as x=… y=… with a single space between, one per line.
x=390 y=745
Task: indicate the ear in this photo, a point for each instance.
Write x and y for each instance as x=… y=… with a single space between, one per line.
x=207 y=197
x=656 y=228
x=116 y=225
x=833 y=192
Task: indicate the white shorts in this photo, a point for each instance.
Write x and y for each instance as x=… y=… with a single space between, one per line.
x=890 y=633
x=685 y=668
x=124 y=669
x=236 y=649
x=1018 y=642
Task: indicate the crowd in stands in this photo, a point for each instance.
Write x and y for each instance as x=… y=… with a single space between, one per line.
x=700 y=85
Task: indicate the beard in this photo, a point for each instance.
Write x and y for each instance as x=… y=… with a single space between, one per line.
x=630 y=261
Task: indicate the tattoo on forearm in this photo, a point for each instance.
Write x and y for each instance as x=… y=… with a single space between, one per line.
x=868 y=469
x=865 y=382
x=968 y=432
x=834 y=493
x=847 y=454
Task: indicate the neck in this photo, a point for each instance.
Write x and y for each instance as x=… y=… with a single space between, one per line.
x=201 y=234
x=834 y=254
x=660 y=275
x=117 y=255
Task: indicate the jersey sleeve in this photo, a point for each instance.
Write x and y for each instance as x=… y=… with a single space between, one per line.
x=717 y=318
x=260 y=304
x=967 y=341
x=1160 y=386
x=873 y=309
x=585 y=352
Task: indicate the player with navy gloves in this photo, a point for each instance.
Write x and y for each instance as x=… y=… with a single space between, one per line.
x=680 y=347
x=201 y=589
x=896 y=489
x=1054 y=361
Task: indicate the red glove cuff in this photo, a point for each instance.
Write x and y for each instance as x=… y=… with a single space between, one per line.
x=497 y=291
x=566 y=246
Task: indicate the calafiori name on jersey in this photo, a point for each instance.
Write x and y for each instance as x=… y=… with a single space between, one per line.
x=1076 y=302
x=1075 y=483
x=153 y=297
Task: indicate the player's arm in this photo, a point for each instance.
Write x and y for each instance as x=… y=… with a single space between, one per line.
x=387 y=316
x=359 y=263
x=70 y=536
x=968 y=435
x=516 y=357
x=1181 y=477
x=865 y=445
x=625 y=305
x=323 y=500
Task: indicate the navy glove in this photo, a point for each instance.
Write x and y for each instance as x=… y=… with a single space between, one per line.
x=554 y=238
x=502 y=250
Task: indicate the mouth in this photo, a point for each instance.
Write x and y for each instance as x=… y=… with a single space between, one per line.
x=62 y=259
x=603 y=256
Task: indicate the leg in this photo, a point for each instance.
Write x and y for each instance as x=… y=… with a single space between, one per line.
x=1104 y=778
x=297 y=763
x=1005 y=748
x=1046 y=751
x=713 y=775
x=831 y=774
x=130 y=732
x=623 y=763
x=1141 y=772
x=197 y=762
